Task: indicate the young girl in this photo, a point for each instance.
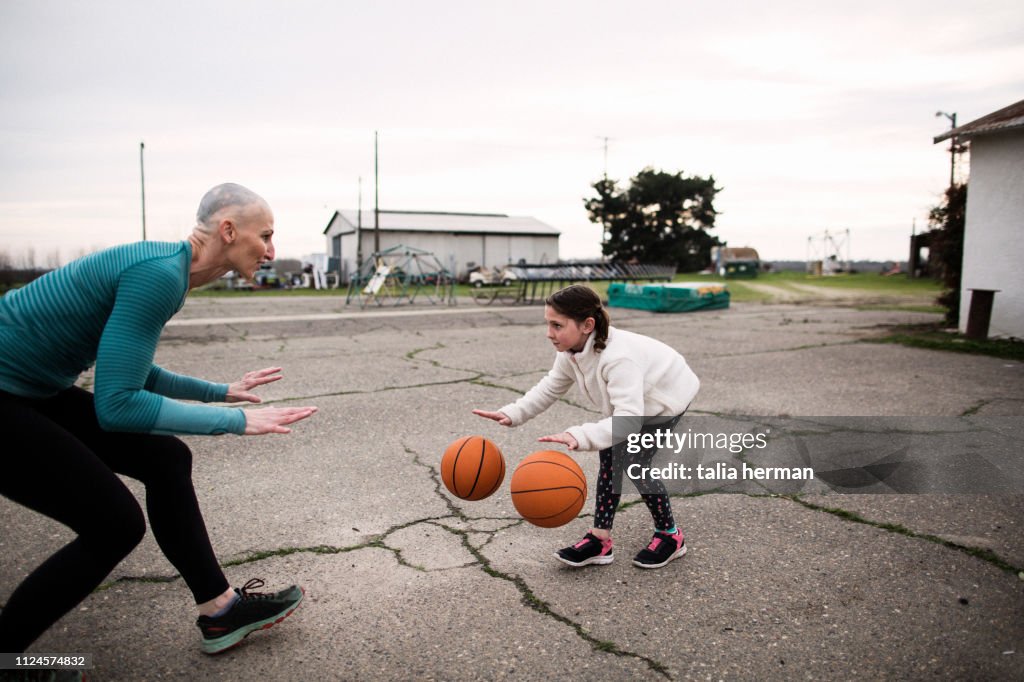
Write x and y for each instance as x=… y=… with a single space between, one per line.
x=625 y=375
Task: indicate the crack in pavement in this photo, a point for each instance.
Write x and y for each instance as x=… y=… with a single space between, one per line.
x=529 y=598
x=455 y=513
x=470 y=536
x=976 y=552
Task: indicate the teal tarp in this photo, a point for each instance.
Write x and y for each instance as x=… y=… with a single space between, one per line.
x=679 y=297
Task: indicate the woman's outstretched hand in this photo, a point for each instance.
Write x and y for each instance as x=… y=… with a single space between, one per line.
x=499 y=417
x=274 y=419
x=238 y=392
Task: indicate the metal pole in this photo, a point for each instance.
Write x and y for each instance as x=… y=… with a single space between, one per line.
x=142 y=176
x=376 y=198
x=606 y=158
x=359 y=228
x=952 y=153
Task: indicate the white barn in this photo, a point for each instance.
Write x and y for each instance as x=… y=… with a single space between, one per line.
x=458 y=240
x=994 y=223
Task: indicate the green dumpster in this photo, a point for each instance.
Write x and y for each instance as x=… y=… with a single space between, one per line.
x=740 y=268
x=678 y=297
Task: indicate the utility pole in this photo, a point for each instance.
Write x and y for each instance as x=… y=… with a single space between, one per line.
x=604 y=233
x=359 y=227
x=142 y=175
x=606 y=158
x=376 y=198
x=605 y=139
x=953 y=146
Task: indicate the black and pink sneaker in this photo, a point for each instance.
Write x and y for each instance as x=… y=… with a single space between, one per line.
x=590 y=550
x=662 y=549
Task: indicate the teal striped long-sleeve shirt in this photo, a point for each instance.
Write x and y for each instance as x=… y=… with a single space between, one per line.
x=109 y=309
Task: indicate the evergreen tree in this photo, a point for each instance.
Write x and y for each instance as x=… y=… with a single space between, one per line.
x=947 y=223
x=660 y=218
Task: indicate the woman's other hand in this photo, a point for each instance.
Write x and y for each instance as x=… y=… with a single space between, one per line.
x=239 y=391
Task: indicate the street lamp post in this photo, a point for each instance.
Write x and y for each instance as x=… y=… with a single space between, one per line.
x=952 y=146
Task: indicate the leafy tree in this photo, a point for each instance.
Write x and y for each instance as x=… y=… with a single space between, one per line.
x=659 y=218
x=947 y=223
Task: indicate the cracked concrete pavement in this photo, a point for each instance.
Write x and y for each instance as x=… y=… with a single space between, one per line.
x=405 y=581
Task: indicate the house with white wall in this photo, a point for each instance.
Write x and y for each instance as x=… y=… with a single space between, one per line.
x=994 y=222
x=458 y=240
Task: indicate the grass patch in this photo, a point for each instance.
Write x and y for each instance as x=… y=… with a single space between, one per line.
x=868 y=281
x=900 y=288
x=934 y=337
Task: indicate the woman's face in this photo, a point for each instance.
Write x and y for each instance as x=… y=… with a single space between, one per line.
x=565 y=333
x=253 y=245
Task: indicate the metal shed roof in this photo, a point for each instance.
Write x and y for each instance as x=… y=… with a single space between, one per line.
x=1007 y=118
x=430 y=221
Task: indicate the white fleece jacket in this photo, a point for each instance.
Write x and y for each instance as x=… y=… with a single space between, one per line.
x=633 y=376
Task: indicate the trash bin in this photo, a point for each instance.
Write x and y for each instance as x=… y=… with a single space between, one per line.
x=980 y=313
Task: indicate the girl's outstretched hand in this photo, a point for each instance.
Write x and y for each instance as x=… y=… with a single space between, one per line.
x=499 y=417
x=565 y=439
x=274 y=419
x=239 y=390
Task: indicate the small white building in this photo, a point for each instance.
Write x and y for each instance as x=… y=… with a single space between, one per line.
x=458 y=240
x=994 y=223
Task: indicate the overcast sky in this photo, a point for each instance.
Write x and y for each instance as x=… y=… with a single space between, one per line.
x=811 y=116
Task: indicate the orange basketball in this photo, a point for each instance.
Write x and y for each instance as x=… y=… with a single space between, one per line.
x=548 y=488
x=472 y=468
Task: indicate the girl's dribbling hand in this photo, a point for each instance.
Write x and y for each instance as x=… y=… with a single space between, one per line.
x=499 y=417
x=239 y=391
x=273 y=419
x=565 y=439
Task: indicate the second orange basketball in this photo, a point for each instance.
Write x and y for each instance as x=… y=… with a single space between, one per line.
x=472 y=468
x=548 y=488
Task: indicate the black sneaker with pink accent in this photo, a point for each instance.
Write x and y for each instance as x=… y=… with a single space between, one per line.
x=590 y=550
x=663 y=548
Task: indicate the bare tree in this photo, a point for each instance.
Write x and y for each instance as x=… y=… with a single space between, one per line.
x=28 y=259
x=53 y=259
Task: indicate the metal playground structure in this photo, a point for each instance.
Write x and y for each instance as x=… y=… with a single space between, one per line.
x=825 y=253
x=401 y=274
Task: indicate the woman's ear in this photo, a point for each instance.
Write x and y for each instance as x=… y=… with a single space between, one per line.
x=227 y=231
x=588 y=325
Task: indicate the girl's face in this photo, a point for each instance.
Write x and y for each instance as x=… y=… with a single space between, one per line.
x=565 y=333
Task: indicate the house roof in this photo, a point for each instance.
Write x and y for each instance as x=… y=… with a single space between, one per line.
x=1007 y=118
x=731 y=253
x=433 y=221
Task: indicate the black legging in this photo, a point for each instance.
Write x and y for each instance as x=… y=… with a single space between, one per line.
x=606 y=500
x=59 y=462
